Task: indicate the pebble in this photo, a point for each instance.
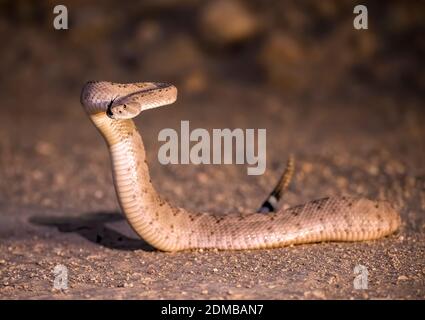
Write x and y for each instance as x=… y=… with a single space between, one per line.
x=319 y=294
x=226 y=22
x=44 y=148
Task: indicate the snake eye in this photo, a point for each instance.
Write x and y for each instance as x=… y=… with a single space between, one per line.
x=125 y=106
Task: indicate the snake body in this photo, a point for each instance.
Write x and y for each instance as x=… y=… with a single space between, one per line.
x=111 y=107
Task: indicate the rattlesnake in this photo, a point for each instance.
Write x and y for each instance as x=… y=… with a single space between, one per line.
x=112 y=105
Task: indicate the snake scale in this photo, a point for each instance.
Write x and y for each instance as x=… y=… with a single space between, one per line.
x=111 y=107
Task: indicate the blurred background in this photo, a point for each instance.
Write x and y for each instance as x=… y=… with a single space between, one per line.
x=348 y=103
x=303 y=47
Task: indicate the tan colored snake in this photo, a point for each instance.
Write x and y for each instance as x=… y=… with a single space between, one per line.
x=111 y=107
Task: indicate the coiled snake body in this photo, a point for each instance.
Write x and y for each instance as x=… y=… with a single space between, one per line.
x=111 y=107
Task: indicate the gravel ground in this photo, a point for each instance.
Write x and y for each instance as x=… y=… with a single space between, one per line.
x=58 y=205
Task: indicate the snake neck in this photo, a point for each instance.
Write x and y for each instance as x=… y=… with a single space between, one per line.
x=146 y=212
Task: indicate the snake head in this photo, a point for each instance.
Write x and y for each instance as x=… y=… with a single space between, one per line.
x=126 y=110
x=153 y=95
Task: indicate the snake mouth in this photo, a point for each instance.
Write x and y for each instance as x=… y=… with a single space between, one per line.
x=109 y=112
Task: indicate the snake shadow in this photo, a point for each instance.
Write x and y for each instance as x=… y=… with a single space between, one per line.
x=92 y=226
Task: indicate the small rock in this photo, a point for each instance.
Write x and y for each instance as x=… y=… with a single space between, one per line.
x=373 y=170
x=37 y=174
x=202 y=178
x=44 y=148
x=226 y=22
x=148 y=32
x=98 y=194
x=307 y=167
x=195 y=82
x=178 y=57
x=319 y=294
x=283 y=58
